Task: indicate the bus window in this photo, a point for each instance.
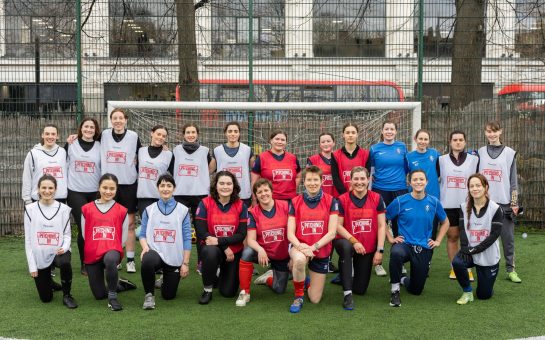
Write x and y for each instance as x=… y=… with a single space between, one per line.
x=352 y=93
x=381 y=93
x=284 y=93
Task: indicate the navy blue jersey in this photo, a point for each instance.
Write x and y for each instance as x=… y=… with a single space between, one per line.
x=415 y=217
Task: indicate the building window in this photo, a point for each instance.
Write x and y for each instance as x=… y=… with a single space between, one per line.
x=139 y=28
x=349 y=28
x=530 y=29
x=230 y=28
x=439 y=18
x=48 y=25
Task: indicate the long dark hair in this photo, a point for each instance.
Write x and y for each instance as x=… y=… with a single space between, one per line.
x=214 y=184
x=470 y=200
x=97 y=128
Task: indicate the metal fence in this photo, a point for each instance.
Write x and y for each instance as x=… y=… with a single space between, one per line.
x=64 y=59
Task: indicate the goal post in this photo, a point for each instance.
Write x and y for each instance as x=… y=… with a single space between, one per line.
x=303 y=121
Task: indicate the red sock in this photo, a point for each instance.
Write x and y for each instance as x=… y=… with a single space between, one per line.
x=269 y=281
x=245 y=271
x=299 y=287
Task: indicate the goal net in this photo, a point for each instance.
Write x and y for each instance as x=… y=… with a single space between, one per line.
x=302 y=121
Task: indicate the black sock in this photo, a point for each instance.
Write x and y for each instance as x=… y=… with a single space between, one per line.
x=130 y=259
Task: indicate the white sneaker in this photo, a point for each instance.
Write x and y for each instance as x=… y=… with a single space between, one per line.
x=379 y=270
x=159 y=282
x=243 y=299
x=149 y=301
x=261 y=280
x=403 y=270
x=131 y=267
x=119 y=267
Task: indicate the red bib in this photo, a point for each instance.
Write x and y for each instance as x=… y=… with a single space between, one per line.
x=103 y=231
x=312 y=224
x=282 y=174
x=327 y=178
x=223 y=224
x=362 y=222
x=346 y=164
x=272 y=232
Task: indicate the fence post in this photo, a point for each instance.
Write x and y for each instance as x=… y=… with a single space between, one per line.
x=79 y=99
x=251 y=116
x=420 y=48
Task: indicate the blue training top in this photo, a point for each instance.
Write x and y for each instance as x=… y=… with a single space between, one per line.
x=415 y=217
x=426 y=161
x=390 y=166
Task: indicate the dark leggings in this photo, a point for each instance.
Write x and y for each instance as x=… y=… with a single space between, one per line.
x=362 y=267
x=151 y=262
x=419 y=258
x=76 y=200
x=212 y=257
x=44 y=282
x=388 y=197
x=486 y=276
x=280 y=277
x=192 y=203
x=95 y=272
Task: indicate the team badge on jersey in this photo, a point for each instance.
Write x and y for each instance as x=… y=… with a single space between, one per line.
x=282 y=175
x=454 y=182
x=188 y=170
x=492 y=175
x=224 y=230
x=235 y=170
x=55 y=171
x=427 y=208
x=116 y=157
x=46 y=238
x=346 y=176
x=148 y=173
x=86 y=167
x=273 y=235
x=104 y=233
x=164 y=235
x=478 y=235
x=398 y=150
x=327 y=180
x=361 y=226
x=312 y=227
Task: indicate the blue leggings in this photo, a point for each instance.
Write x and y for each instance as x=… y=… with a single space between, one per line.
x=420 y=265
x=486 y=276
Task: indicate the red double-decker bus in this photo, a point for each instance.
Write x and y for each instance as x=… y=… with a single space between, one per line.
x=522 y=97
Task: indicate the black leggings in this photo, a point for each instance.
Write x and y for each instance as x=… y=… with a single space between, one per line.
x=280 y=270
x=192 y=203
x=76 y=200
x=362 y=267
x=95 y=273
x=151 y=262
x=212 y=257
x=44 y=282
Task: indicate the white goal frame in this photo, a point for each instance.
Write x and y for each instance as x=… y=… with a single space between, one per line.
x=415 y=107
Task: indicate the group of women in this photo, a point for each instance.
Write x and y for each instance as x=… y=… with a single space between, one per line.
x=249 y=211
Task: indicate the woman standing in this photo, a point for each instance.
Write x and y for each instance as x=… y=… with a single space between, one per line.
x=362 y=231
x=267 y=243
x=83 y=173
x=165 y=238
x=191 y=167
x=415 y=213
x=389 y=170
x=454 y=170
x=479 y=231
x=119 y=147
x=348 y=157
x=237 y=158
x=278 y=166
x=153 y=162
x=498 y=164
x=47 y=241
x=45 y=158
x=221 y=225
x=104 y=223
x=427 y=159
x=323 y=160
x=312 y=225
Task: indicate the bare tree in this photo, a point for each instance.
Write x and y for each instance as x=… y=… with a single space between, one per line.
x=188 y=76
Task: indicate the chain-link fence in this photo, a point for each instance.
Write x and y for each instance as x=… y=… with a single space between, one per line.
x=467 y=64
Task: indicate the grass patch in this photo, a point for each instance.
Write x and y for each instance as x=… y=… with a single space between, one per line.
x=515 y=310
